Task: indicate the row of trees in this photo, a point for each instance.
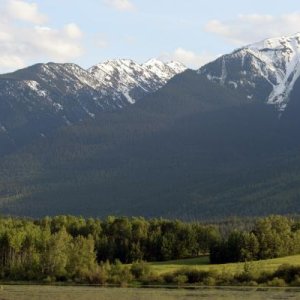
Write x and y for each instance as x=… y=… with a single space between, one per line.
x=78 y=249
x=70 y=248
x=271 y=237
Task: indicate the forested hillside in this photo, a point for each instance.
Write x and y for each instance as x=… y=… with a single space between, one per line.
x=192 y=150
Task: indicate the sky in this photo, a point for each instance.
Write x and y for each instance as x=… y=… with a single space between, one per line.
x=88 y=32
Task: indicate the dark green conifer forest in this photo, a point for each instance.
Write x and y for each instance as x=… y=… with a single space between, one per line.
x=194 y=150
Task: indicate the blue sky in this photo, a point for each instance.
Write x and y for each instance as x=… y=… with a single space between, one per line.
x=91 y=31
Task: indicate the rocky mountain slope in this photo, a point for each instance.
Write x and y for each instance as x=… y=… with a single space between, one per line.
x=43 y=97
x=265 y=71
x=125 y=78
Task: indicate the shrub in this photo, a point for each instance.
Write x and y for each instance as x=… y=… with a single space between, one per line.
x=169 y=278
x=296 y=281
x=98 y=276
x=193 y=275
x=243 y=277
x=180 y=279
x=265 y=277
x=287 y=272
x=48 y=279
x=210 y=281
x=252 y=283
x=224 y=278
x=152 y=278
x=120 y=274
x=140 y=270
x=249 y=274
x=279 y=282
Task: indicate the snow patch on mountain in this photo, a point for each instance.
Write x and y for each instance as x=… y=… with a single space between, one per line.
x=36 y=88
x=282 y=56
x=2 y=128
x=72 y=93
x=275 y=60
x=124 y=77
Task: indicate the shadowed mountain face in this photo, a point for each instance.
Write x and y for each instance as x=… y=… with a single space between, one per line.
x=194 y=149
x=292 y=112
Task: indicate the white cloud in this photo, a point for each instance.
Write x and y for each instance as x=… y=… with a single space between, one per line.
x=5 y=36
x=73 y=31
x=38 y=43
x=11 y=62
x=189 y=58
x=22 y=45
x=24 y=11
x=254 y=27
x=58 y=44
x=122 y=5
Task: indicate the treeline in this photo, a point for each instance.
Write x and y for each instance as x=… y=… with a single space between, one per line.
x=67 y=248
x=271 y=237
x=73 y=248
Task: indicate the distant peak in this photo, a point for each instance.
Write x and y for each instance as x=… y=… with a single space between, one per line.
x=177 y=65
x=119 y=60
x=153 y=61
x=274 y=42
x=151 y=64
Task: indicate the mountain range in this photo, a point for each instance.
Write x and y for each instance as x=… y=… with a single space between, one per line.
x=44 y=97
x=154 y=139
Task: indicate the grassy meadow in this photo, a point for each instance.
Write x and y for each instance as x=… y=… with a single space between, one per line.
x=162 y=292
x=202 y=263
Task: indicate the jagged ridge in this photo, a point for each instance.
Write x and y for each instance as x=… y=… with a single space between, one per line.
x=265 y=71
x=43 y=97
x=74 y=93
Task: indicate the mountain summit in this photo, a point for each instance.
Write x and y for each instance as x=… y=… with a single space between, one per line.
x=109 y=85
x=124 y=77
x=43 y=97
x=264 y=71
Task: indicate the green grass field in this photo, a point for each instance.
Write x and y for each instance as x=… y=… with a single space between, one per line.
x=202 y=263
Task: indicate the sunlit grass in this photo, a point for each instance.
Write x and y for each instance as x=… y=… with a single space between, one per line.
x=202 y=263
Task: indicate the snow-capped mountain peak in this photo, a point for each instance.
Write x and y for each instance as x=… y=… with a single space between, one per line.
x=155 y=64
x=164 y=70
x=43 y=97
x=132 y=80
x=266 y=70
x=275 y=43
x=72 y=93
x=178 y=67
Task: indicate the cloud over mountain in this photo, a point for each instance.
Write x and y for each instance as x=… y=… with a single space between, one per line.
x=246 y=28
x=38 y=40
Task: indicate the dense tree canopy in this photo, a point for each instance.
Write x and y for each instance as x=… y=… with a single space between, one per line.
x=271 y=237
x=66 y=247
